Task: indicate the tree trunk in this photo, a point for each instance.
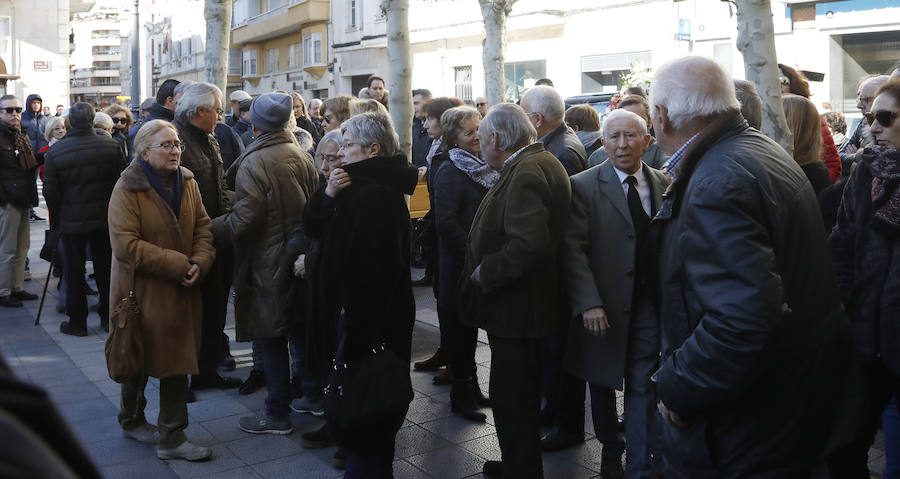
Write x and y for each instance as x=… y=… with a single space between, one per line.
x=218 y=32
x=756 y=41
x=399 y=71
x=494 y=13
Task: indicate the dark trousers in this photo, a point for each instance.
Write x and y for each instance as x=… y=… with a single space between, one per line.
x=851 y=461
x=215 y=300
x=559 y=385
x=641 y=436
x=173 y=412
x=461 y=342
x=277 y=368
x=370 y=453
x=74 y=247
x=516 y=399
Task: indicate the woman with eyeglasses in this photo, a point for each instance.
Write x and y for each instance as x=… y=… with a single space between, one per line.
x=161 y=237
x=122 y=122
x=459 y=184
x=866 y=247
x=794 y=82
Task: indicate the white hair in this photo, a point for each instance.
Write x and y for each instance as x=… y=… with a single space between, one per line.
x=620 y=113
x=198 y=95
x=369 y=128
x=546 y=101
x=102 y=120
x=691 y=87
x=511 y=124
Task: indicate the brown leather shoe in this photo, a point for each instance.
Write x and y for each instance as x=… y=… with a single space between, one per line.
x=442 y=378
x=435 y=362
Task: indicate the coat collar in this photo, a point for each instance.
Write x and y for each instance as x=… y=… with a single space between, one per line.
x=133 y=179
x=527 y=151
x=717 y=131
x=265 y=140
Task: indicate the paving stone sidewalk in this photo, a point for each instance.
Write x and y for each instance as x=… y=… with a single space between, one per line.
x=432 y=443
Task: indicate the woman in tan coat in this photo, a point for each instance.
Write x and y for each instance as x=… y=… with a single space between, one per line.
x=158 y=226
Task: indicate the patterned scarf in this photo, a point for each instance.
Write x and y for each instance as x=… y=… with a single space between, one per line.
x=885 y=167
x=23 y=147
x=472 y=166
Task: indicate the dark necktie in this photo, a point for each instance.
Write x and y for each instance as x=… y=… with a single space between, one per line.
x=638 y=215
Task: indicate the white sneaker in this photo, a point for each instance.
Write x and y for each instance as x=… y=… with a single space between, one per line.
x=145 y=433
x=186 y=451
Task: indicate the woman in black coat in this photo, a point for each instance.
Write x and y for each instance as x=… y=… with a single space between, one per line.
x=866 y=248
x=427 y=237
x=460 y=183
x=303 y=119
x=361 y=222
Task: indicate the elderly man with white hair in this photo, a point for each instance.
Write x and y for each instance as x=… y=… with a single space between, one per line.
x=865 y=95
x=546 y=110
x=755 y=347
x=608 y=273
x=512 y=275
x=196 y=115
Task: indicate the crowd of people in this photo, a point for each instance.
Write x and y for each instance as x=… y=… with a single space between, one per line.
x=745 y=299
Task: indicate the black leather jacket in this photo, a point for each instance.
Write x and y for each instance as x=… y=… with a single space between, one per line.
x=754 y=343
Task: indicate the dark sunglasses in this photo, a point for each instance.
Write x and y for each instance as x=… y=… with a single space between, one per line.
x=120 y=120
x=480 y=104
x=10 y=109
x=885 y=117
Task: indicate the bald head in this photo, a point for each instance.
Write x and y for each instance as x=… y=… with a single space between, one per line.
x=545 y=108
x=621 y=116
x=866 y=93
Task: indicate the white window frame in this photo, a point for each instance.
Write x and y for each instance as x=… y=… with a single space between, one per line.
x=249 y=62
x=295 y=56
x=353 y=15
x=272 y=60
x=312 y=49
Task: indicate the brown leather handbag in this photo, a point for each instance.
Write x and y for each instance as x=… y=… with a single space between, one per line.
x=125 y=345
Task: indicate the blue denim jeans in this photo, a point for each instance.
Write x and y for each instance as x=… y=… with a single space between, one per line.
x=311 y=388
x=278 y=376
x=891 y=421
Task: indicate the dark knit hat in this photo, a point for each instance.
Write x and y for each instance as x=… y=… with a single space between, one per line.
x=270 y=111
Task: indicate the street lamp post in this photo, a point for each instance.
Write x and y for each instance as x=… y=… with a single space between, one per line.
x=135 y=42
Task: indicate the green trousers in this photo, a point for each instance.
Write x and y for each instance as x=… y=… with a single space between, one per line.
x=173 y=413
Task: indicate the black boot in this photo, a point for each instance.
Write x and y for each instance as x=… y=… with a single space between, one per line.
x=462 y=400
x=480 y=398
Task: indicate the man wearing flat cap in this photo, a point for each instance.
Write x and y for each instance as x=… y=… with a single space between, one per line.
x=273 y=180
x=234 y=100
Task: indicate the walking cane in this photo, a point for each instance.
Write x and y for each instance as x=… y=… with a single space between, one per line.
x=37 y=320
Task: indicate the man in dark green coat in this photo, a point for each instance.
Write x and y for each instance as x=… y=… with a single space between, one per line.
x=509 y=285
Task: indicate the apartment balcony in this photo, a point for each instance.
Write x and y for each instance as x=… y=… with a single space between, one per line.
x=106 y=72
x=106 y=56
x=280 y=21
x=105 y=42
x=95 y=89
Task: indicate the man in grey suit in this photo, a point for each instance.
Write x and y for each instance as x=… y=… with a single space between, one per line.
x=608 y=268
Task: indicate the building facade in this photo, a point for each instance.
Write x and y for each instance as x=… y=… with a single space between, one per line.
x=283 y=45
x=172 y=45
x=95 y=54
x=34 y=50
x=587 y=46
